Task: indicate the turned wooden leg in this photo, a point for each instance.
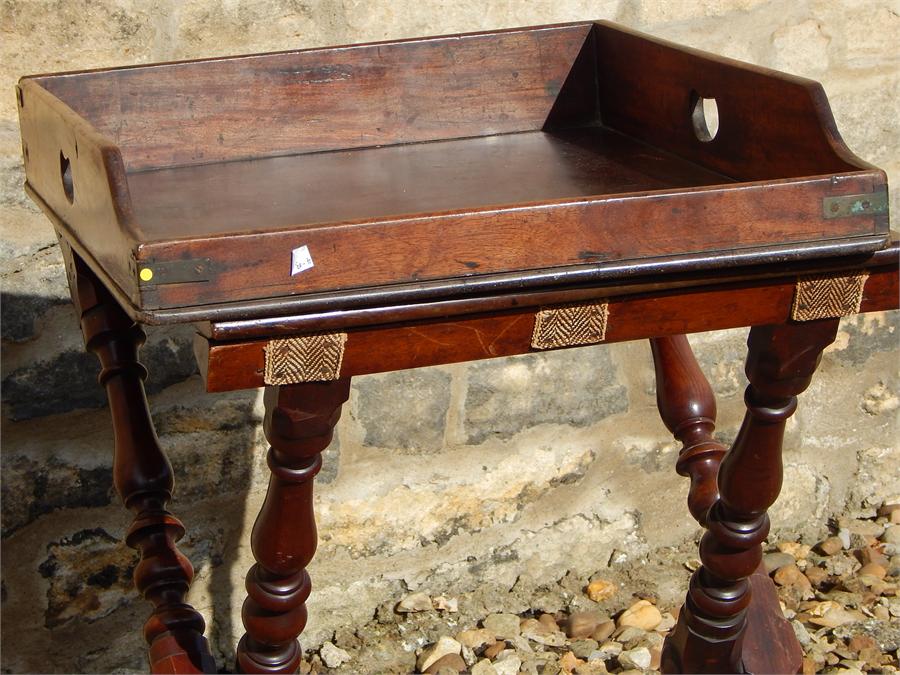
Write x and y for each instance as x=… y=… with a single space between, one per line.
x=688 y=409
x=143 y=479
x=718 y=629
x=299 y=425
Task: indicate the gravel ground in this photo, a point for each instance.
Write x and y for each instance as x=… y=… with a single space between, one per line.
x=840 y=595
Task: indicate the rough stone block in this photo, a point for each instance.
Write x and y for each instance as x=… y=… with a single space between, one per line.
x=575 y=387
x=861 y=336
x=55 y=383
x=32 y=488
x=89 y=575
x=405 y=410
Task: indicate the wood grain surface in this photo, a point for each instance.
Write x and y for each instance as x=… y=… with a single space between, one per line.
x=239 y=364
x=434 y=159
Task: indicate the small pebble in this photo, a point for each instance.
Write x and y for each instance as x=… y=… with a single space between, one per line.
x=641 y=614
x=606 y=651
x=796 y=549
x=668 y=622
x=816 y=575
x=837 y=616
x=859 y=642
x=882 y=613
x=873 y=569
x=871 y=656
x=414 y=602
x=630 y=636
x=861 y=527
x=538 y=632
x=601 y=590
x=774 y=561
x=502 y=625
x=475 y=638
x=844 y=535
x=870 y=554
x=548 y=622
x=830 y=546
x=790 y=575
x=452 y=662
x=445 y=645
x=603 y=631
x=445 y=604
x=583 y=624
x=891 y=535
x=569 y=662
x=803 y=636
x=655 y=657
x=508 y=665
x=494 y=649
x=583 y=648
x=484 y=667
x=333 y=656
x=636 y=658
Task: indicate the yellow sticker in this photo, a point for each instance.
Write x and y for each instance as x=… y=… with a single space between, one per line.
x=146 y=274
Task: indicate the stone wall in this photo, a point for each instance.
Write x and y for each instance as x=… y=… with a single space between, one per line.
x=445 y=479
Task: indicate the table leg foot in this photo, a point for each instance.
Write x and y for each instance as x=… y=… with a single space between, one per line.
x=770 y=644
x=144 y=480
x=299 y=425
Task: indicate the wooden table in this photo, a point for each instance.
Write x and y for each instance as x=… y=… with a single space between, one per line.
x=328 y=213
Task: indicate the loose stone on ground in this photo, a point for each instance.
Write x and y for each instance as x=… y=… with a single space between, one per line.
x=841 y=601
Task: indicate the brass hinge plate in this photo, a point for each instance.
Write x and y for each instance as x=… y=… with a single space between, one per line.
x=157 y=273
x=871 y=204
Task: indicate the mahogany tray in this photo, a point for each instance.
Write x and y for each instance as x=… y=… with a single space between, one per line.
x=329 y=213
x=517 y=159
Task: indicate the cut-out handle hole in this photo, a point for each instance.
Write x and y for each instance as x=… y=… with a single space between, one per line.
x=705 y=118
x=65 y=173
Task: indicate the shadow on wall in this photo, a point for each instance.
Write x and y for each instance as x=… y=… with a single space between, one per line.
x=49 y=381
x=66 y=569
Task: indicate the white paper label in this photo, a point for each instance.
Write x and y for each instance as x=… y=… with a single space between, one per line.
x=301 y=260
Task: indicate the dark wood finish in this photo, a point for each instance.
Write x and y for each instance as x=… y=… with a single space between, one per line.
x=100 y=208
x=143 y=479
x=428 y=300
x=299 y=425
x=382 y=183
x=771 y=125
x=710 y=634
x=410 y=249
x=770 y=644
x=687 y=405
x=239 y=364
x=447 y=188
x=574 y=146
x=317 y=100
x=688 y=408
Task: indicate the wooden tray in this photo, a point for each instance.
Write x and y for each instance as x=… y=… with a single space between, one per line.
x=436 y=167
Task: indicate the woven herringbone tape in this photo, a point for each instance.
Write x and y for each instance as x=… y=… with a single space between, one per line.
x=570 y=326
x=312 y=358
x=827 y=296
